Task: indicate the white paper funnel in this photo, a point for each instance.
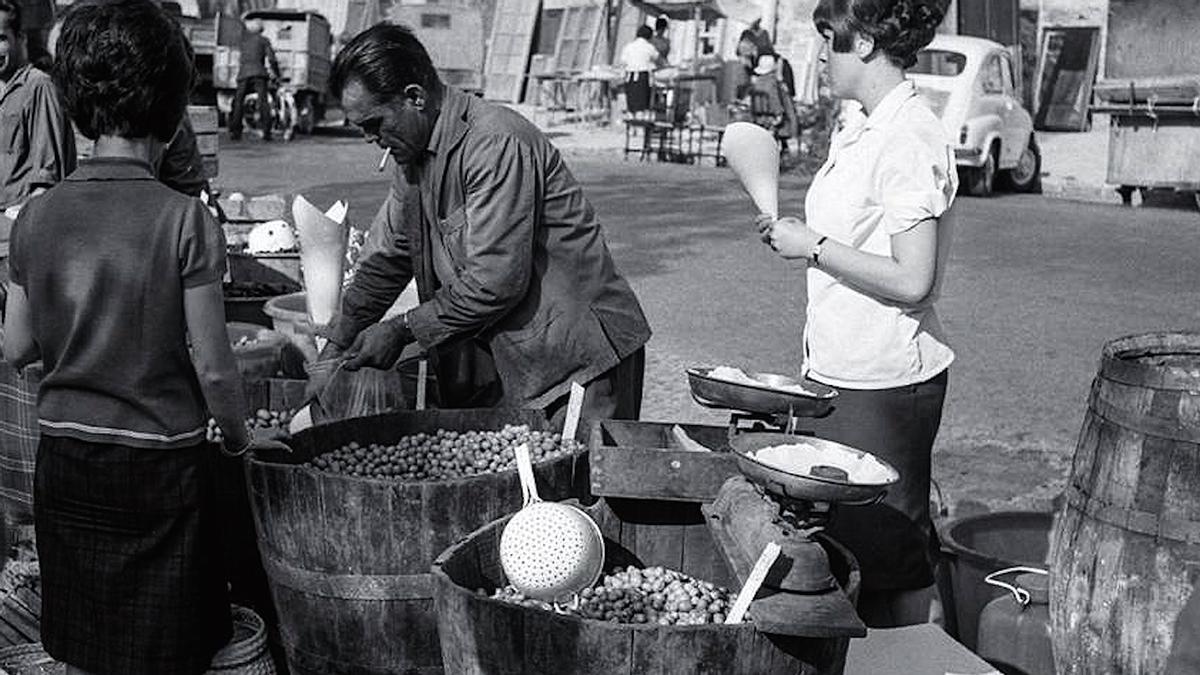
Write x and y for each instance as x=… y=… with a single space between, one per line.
x=753 y=154
x=322 y=259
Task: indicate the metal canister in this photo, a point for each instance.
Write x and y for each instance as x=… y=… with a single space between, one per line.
x=1014 y=629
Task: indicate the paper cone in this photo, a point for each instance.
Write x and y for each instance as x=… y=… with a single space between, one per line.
x=753 y=155
x=337 y=212
x=322 y=259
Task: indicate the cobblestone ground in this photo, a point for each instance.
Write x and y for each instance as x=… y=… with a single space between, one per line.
x=1033 y=290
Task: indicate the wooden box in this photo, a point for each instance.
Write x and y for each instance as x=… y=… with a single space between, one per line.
x=644 y=460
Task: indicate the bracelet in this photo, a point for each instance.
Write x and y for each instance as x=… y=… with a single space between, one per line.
x=816 y=252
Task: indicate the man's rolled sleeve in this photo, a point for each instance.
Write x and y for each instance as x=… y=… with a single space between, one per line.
x=503 y=206
x=381 y=276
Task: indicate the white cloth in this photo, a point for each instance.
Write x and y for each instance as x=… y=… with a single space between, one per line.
x=639 y=55
x=885 y=173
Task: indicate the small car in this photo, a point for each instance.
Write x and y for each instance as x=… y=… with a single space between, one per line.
x=969 y=83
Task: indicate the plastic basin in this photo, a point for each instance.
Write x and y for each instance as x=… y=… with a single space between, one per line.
x=976 y=546
x=289 y=315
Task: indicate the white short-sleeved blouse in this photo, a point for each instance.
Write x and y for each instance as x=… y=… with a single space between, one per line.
x=886 y=172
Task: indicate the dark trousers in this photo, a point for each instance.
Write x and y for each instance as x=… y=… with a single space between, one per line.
x=615 y=395
x=258 y=85
x=894 y=540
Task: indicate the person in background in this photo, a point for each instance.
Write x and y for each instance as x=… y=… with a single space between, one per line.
x=779 y=112
x=875 y=233
x=127 y=315
x=39 y=144
x=36 y=18
x=520 y=296
x=639 y=59
x=255 y=71
x=660 y=40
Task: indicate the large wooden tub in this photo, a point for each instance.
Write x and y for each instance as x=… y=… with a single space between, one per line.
x=481 y=635
x=348 y=558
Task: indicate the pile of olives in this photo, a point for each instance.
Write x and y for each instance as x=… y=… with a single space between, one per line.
x=444 y=455
x=274 y=422
x=654 y=595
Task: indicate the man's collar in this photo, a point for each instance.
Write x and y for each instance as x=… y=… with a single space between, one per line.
x=451 y=120
x=19 y=77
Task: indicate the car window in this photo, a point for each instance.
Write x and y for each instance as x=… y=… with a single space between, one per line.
x=992 y=77
x=939 y=62
x=1006 y=75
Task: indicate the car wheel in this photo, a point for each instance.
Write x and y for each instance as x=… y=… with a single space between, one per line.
x=982 y=180
x=1026 y=176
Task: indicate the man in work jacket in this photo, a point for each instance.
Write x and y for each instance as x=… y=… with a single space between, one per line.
x=519 y=295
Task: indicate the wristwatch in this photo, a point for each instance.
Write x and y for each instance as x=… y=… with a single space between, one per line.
x=815 y=255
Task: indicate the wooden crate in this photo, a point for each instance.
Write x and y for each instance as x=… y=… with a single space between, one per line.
x=644 y=460
x=203 y=117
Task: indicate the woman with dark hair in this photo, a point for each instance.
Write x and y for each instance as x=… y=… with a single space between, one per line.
x=117 y=287
x=875 y=233
x=639 y=58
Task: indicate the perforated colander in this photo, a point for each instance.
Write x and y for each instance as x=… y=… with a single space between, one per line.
x=549 y=551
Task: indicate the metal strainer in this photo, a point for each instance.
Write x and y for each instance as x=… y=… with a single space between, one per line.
x=549 y=551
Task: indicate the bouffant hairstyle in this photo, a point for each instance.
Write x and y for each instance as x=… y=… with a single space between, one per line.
x=899 y=28
x=385 y=58
x=124 y=69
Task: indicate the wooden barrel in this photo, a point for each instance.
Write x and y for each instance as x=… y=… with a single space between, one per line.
x=1125 y=550
x=485 y=636
x=348 y=558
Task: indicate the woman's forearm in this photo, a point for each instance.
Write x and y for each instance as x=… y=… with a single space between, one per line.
x=879 y=275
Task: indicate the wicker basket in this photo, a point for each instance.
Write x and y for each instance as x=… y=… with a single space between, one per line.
x=29 y=659
x=246 y=653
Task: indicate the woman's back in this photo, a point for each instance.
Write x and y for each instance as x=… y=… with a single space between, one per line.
x=104 y=258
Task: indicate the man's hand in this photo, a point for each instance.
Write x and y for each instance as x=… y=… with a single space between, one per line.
x=379 y=346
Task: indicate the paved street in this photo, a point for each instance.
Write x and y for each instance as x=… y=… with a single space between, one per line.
x=1034 y=288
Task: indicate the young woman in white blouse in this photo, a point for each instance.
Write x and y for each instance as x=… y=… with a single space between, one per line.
x=875 y=234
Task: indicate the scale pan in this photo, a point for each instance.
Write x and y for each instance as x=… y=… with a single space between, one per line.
x=787 y=485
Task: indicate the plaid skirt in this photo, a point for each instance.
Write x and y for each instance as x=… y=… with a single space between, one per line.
x=129 y=553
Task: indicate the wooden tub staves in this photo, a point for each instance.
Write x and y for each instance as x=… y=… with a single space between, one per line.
x=481 y=635
x=1126 y=550
x=348 y=558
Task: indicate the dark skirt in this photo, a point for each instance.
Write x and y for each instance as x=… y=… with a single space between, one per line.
x=637 y=91
x=129 y=553
x=894 y=541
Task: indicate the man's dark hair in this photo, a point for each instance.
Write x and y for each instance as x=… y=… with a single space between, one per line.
x=13 y=10
x=123 y=68
x=385 y=58
x=644 y=32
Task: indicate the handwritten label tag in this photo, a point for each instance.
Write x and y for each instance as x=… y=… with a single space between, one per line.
x=574 y=410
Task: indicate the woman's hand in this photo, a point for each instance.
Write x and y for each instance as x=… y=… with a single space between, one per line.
x=789 y=237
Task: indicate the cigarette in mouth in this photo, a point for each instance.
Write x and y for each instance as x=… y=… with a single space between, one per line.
x=383 y=159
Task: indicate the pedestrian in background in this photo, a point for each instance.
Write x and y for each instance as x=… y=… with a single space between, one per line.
x=117 y=288
x=639 y=58
x=256 y=69
x=876 y=233
x=660 y=41
x=39 y=142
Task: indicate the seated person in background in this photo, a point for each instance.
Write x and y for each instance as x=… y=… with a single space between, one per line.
x=39 y=144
